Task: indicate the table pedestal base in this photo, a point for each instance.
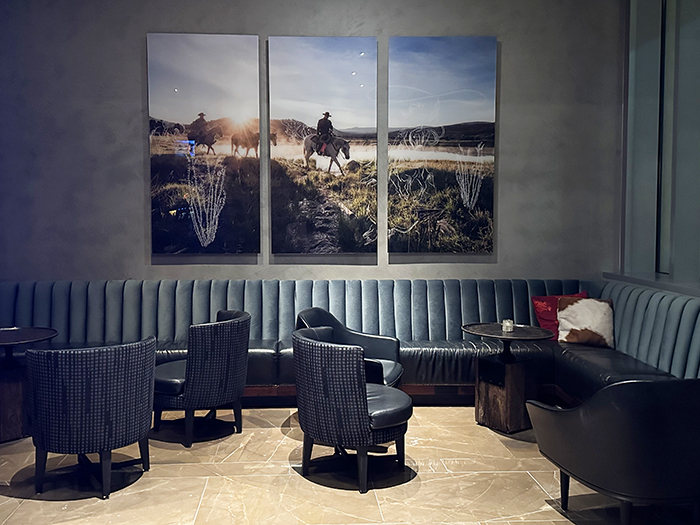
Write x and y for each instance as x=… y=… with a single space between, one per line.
x=12 y=378
x=502 y=387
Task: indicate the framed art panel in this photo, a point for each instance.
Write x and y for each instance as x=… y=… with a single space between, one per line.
x=204 y=139
x=324 y=157
x=442 y=113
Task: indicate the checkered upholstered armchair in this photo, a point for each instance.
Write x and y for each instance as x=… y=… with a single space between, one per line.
x=336 y=404
x=381 y=352
x=92 y=400
x=213 y=375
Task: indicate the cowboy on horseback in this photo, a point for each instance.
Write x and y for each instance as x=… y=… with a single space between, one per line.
x=324 y=133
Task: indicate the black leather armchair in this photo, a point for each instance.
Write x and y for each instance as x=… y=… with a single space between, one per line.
x=338 y=407
x=91 y=400
x=381 y=352
x=635 y=441
x=213 y=375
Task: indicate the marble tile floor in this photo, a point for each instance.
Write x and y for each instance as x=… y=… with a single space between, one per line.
x=457 y=473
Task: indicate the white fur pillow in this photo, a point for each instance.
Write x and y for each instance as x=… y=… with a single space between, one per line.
x=586 y=320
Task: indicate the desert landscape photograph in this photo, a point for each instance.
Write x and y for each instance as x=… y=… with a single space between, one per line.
x=442 y=114
x=324 y=158
x=204 y=143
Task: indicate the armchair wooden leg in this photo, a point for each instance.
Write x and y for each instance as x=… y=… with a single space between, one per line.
x=362 y=460
x=157 y=416
x=564 y=488
x=145 y=458
x=238 y=415
x=39 y=470
x=106 y=467
x=189 y=427
x=401 y=451
x=306 y=454
x=626 y=513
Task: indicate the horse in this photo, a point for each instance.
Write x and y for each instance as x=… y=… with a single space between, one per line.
x=249 y=141
x=335 y=146
x=206 y=137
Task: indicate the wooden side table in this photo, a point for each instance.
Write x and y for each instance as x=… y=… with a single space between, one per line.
x=505 y=381
x=12 y=378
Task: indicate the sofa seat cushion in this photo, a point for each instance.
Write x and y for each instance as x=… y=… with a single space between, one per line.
x=170 y=377
x=262 y=361
x=441 y=362
x=583 y=370
x=387 y=407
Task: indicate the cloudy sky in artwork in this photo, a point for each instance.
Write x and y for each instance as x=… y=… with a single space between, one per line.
x=192 y=73
x=311 y=75
x=435 y=81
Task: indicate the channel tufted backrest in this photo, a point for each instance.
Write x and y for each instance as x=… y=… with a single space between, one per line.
x=658 y=327
x=130 y=310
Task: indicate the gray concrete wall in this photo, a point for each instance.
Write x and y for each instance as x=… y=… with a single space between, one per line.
x=74 y=197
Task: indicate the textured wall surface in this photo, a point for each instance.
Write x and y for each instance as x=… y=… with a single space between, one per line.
x=74 y=193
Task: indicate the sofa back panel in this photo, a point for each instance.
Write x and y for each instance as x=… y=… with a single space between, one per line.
x=24 y=314
x=217 y=300
x=303 y=295
x=201 y=301
x=166 y=311
x=235 y=295
x=387 y=311
x=149 y=308
x=286 y=309
x=470 y=304
x=8 y=300
x=184 y=291
x=336 y=299
x=521 y=302
x=321 y=295
x=419 y=310
x=270 y=309
x=370 y=306
x=41 y=313
x=453 y=310
x=677 y=358
x=114 y=309
x=437 y=328
x=353 y=304
x=487 y=300
x=504 y=299
x=632 y=343
x=95 y=325
x=60 y=310
x=626 y=319
x=131 y=313
x=659 y=331
x=403 y=310
x=692 y=367
x=77 y=331
x=663 y=353
x=252 y=303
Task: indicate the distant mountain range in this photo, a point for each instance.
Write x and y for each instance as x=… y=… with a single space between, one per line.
x=467 y=134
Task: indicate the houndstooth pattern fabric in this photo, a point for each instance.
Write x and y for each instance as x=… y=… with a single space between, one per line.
x=217 y=363
x=332 y=394
x=89 y=400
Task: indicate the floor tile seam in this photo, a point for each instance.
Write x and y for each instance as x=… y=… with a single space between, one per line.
x=20 y=503
x=201 y=498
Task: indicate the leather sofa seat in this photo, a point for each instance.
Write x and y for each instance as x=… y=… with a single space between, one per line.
x=583 y=370
x=170 y=377
x=388 y=407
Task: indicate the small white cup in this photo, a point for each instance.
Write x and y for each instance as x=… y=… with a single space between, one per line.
x=507 y=325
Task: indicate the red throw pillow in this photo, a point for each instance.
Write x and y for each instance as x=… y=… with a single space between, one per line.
x=546 y=310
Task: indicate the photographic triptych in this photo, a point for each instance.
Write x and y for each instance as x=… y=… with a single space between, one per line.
x=205 y=144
